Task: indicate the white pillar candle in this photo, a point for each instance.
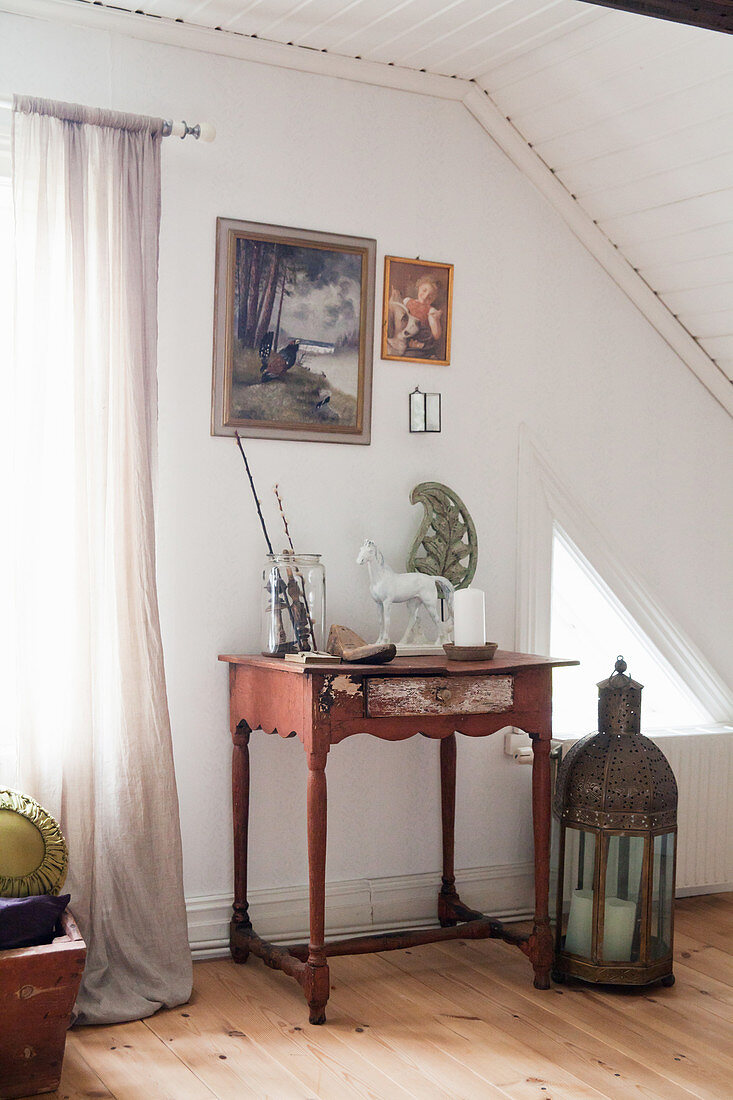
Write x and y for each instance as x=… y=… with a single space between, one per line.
x=619 y=920
x=578 y=937
x=469 y=617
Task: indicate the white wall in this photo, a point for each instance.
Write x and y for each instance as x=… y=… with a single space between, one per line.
x=541 y=335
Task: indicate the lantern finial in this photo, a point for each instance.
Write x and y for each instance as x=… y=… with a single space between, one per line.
x=619 y=701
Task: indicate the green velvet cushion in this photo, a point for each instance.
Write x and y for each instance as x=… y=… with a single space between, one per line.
x=33 y=852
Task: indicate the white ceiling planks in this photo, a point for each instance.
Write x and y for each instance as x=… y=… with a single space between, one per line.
x=712 y=270
x=449 y=37
x=615 y=76
x=570 y=42
x=666 y=218
x=680 y=248
x=714 y=324
x=638 y=125
x=501 y=31
x=633 y=116
x=689 y=145
x=699 y=301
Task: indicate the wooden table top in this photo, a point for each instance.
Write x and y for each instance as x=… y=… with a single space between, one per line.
x=437 y=665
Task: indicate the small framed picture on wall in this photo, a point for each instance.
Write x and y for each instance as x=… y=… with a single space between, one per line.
x=416 y=318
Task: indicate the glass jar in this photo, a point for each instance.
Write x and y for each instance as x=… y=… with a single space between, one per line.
x=293 y=604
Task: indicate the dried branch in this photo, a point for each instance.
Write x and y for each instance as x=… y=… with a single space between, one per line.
x=300 y=579
x=254 y=492
x=282 y=513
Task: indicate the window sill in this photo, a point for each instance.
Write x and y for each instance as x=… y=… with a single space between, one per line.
x=708 y=729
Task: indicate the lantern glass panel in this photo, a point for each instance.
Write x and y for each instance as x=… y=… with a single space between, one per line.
x=432 y=412
x=662 y=895
x=577 y=892
x=622 y=898
x=417 y=411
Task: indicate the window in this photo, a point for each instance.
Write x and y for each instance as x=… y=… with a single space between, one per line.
x=7 y=753
x=589 y=623
x=6 y=268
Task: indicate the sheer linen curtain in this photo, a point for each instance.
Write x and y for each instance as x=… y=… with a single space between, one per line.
x=93 y=733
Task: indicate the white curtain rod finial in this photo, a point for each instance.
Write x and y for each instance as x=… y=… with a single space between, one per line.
x=207 y=131
x=203 y=131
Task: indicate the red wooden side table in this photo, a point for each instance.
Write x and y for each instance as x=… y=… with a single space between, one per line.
x=322 y=705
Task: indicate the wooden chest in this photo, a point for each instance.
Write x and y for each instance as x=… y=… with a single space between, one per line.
x=38 y=988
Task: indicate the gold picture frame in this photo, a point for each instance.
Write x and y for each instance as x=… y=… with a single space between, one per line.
x=293 y=333
x=417 y=311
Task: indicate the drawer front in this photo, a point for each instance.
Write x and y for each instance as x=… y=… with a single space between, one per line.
x=395 y=696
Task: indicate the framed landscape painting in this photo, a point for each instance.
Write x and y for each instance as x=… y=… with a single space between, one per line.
x=416 y=319
x=293 y=333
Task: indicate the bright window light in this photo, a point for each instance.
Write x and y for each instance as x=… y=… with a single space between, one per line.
x=7 y=743
x=590 y=624
x=6 y=266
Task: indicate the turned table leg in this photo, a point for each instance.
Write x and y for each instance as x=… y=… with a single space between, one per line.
x=540 y=943
x=448 y=896
x=316 y=979
x=240 y=925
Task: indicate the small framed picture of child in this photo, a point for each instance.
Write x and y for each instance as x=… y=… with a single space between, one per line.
x=416 y=321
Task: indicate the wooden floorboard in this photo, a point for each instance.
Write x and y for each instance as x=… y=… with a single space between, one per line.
x=590 y=1056
x=455 y=1021
x=616 y=1014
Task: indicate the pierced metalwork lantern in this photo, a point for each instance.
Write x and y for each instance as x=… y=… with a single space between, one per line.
x=616 y=798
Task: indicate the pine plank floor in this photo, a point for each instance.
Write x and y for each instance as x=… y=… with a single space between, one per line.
x=459 y=1021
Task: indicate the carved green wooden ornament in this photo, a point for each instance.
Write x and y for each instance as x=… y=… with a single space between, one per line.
x=446 y=544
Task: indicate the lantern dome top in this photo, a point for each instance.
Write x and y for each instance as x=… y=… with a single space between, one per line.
x=617 y=778
x=616 y=782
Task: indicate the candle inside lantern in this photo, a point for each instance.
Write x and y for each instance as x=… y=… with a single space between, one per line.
x=578 y=937
x=619 y=920
x=469 y=617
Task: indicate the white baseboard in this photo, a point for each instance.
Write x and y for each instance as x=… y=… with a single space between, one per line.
x=360 y=905
x=697 y=891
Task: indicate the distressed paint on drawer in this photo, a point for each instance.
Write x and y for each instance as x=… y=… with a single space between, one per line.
x=393 y=696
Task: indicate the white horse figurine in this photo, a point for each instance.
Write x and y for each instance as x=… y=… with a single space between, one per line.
x=414 y=589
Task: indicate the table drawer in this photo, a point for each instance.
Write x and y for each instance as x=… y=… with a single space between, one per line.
x=395 y=696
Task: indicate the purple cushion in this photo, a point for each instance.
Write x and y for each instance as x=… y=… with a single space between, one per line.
x=26 y=922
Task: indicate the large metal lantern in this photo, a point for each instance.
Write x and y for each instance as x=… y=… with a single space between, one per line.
x=616 y=798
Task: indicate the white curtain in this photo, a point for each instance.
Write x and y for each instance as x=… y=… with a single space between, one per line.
x=93 y=734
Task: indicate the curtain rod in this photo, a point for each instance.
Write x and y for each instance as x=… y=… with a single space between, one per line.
x=202 y=131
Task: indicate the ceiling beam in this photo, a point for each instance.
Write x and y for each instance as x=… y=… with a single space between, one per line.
x=711 y=15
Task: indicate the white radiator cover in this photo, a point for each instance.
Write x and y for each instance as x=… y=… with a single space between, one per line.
x=702 y=761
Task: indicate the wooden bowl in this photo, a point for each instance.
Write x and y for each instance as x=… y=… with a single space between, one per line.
x=470 y=652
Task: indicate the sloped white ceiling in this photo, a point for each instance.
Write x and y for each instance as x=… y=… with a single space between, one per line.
x=633 y=115
x=452 y=37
